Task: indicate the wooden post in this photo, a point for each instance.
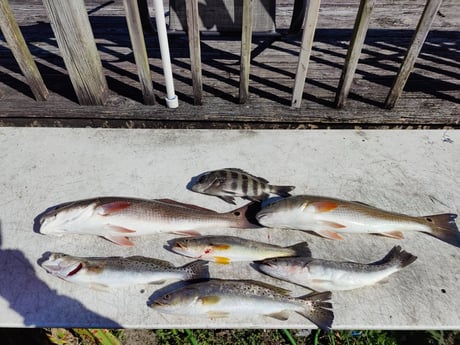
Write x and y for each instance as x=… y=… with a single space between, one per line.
x=311 y=18
x=21 y=53
x=423 y=27
x=354 y=51
x=193 y=30
x=246 y=35
x=140 y=53
x=74 y=36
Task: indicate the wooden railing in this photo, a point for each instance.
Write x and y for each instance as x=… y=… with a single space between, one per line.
x=72 y=29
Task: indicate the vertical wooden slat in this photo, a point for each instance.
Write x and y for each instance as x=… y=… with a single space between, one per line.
x=74 y=36
x=354 y=50
x=145 y=15
x=246 y=35
x=21 y=53
x=193 y=30
x=423 y=27
x=140 y=53
x=311 y=18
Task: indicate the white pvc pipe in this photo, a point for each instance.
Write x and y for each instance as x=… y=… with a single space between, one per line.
x=171 y=99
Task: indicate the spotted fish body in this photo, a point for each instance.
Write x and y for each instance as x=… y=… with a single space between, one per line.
x=233 y=298
x=327 y=275
x=331 y=217
x=108 y=272
x=230 y=183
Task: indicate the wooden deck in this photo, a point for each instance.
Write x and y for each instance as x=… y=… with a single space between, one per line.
x=431 y=96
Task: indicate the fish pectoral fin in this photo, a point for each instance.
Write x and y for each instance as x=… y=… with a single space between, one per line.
x=209 y=300
x=121 y=229
x=99 y=287
x=324 y=206
x=187 y=232
x=120 y=240
x=393 y=234
x=329 y=234
x=282 y=315
x=157 y=282
x=333 y=224
x=221 y=260
x=112 y=207
x=217 y=314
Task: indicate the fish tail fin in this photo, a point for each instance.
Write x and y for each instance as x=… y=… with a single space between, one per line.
x=301 y=249
x=318 y=310
x=196 y=270
x=281 y=190
x=398 y=257
x=246 y=216
x=443 y=227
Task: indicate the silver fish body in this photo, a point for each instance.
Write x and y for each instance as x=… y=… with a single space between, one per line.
x=119 y=271
x=230 y=183
x=328 y=217
x=115 y=218
x=326 y=275
x=233 y=298
x=226 y=249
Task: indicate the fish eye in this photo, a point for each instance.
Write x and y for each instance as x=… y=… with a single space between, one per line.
x=237 y=213
x=167 y=296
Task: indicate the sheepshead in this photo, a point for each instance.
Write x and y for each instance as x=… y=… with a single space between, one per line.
x=229 y=183
x=114 y=218
x=225 y=298
x=328 y=217
x=120 y=271
x=326 y=275
x=225 y=249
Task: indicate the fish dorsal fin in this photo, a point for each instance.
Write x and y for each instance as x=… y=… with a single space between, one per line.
x=274 y=288
x=329 y=234
x=393 y=234
x=282 y=315
x=120 y=240
x=182 y=204
x=150 y=260
x=112 y=207
x=261 y=179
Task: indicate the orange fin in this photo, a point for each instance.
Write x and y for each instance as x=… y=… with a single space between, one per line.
x=221 y=246
x=121 y=229
x=120 y=240
x=221 y=260
x=330 y=234
x=325 y=206
x=187 y=232
x=112 y=207
x=393 y=234
x=333 y=224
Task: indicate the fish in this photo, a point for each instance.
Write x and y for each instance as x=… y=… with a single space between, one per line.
x=231 y=182
x=328 y=217
x=226 y=249
x=113 y=272
x=117 y=218
x=233 y=298
x=326 y=275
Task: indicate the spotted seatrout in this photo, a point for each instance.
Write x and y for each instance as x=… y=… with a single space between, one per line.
x=120 y=271
x=234 y=298
x=328 y=217
x=325 y=275
x=226 y=249
x=230 y=183
x=115 y=218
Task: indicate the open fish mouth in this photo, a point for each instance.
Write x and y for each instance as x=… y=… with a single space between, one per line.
x=62 y=267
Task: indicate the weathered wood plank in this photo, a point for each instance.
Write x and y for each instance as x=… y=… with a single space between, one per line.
x=354 y=51
x=140 y=53
x=311 y=19
x=72 y=29
x=18 y=46
x=193 y=31
x=245 y=63
x=423 y=27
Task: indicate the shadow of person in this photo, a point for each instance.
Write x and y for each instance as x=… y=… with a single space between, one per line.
x=38 y=304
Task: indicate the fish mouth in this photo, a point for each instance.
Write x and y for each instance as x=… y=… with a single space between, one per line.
x=58 y=265
x=180 y=245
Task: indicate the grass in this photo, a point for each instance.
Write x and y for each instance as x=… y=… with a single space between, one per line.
x=78 y=336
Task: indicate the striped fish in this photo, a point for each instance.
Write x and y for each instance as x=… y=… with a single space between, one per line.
x=230 y=183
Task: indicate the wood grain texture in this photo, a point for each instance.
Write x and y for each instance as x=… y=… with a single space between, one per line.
x=193 y=32
x=245 y=63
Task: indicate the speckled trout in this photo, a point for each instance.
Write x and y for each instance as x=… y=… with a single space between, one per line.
x=235 y=298
x=226 y=249
x=326 y=275
x=231 y=182
x=120 y=271
x=328 y=217
x=116 y=218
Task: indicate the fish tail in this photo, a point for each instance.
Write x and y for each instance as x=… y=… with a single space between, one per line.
x=398 y=257
x=443 y=227
x=301 y=249
x=318 y=310
x=246 y=216
x=281 y=190
x=196 y=270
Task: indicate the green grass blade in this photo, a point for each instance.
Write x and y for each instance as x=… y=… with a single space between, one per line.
x=289 y=336
x=191 y=337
